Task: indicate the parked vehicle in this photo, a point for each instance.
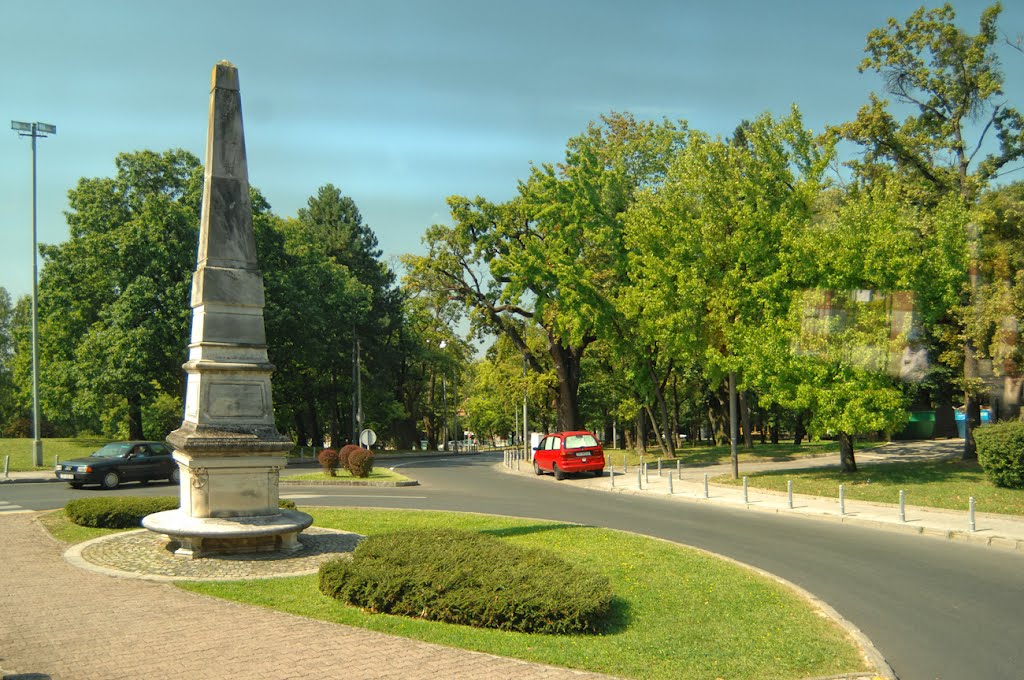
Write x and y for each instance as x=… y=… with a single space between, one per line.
x=118 y=462
x=566 y=452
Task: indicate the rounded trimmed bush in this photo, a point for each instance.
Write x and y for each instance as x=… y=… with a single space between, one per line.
x=360 y=462
x=1001 y=452
x=120 y=512
x=328 y=459
x=471 y=579
x=344 y=453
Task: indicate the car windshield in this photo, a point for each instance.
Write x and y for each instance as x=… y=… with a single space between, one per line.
x=117 y=450
x=578 y=441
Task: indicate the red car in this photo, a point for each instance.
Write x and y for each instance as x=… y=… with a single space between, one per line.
x=563 y=452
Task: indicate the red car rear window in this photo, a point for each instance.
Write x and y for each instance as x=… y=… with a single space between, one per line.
x=579 y=441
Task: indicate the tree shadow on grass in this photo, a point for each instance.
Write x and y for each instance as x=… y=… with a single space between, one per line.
x=528 y=529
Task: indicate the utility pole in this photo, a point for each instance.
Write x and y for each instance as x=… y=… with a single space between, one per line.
x=35 y=130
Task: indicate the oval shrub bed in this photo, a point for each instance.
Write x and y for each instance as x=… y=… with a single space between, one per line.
x=471 y=579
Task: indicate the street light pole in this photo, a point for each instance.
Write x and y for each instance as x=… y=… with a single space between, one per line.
x=35 y=130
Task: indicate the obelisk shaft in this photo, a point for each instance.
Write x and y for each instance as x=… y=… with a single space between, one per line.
x=228 y=443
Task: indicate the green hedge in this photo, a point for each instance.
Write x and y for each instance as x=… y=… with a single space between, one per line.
x=1001 y=452
x=125 y=512
x=118 y=512
x=471 y=579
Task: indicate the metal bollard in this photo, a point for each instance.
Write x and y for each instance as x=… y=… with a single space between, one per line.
x=670 y=485
x=789 y=492
x=706 y=485
x=842 y=500
x=625 y=466
x=647 y=474
x=971 y=503
x=903 y=514
x=745 y=490
x=7 y=463
x=679 y=469
x=613 y=478
x=639 y=477
x=56 y=461
x=659 y=467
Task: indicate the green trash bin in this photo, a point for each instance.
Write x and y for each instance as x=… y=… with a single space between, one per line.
x=920 y=426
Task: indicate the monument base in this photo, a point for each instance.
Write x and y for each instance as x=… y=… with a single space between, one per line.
x=202 y=536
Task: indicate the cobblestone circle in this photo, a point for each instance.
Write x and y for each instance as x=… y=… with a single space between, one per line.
x=145 y=554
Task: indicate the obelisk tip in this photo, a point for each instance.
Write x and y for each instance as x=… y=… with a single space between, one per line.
x=225 y=76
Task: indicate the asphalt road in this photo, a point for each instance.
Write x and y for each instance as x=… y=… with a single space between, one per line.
x=934 y=608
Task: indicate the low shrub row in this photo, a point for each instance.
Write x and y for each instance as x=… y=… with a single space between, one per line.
x=125 y=512
x=471 y=579
x=118 y=512
x=1001 y=452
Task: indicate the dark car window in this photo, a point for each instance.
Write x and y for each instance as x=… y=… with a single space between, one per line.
x=115 y=450
x=555 y=444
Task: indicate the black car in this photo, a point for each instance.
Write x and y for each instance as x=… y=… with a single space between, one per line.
x=121 y=462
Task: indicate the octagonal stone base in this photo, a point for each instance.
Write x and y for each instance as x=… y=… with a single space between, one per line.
x=200 y=536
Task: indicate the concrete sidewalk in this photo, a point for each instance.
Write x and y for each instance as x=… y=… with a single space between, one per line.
x=58 y=622
x=997 y=531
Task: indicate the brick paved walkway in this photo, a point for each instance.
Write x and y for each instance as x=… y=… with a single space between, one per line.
x=65 y=623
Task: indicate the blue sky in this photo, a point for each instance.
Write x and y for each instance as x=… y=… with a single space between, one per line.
x=402 y=103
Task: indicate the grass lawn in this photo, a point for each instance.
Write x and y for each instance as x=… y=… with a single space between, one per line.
x=703 y=454
x=20 y=451
x=678 y=613
x=341 y=475
x=935 y=484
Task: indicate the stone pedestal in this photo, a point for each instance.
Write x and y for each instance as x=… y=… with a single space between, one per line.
x=228 y=447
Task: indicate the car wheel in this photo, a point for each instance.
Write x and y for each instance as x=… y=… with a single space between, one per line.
x=536 y=469
x=111 y=480
x=75 y=485
x=559 y=475
x=598 y=473
x=175 y=475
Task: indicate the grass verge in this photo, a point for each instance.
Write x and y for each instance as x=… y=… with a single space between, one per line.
x=945 y=484
x=678 y=613
x=703 y=454
x=342 y=476
x=20 y=451
x=63 y=529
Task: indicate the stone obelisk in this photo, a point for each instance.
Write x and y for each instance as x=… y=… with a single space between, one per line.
x=228 y=447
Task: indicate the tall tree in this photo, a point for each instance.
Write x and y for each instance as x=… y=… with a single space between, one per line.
x=358 y=302
x=553 y=256
x=712 y=248
x=113 y=298
x=952 y=80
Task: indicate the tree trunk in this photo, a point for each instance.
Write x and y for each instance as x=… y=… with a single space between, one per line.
x=665 y=431
x=733 y=426
x=300 y=429
x=657 y=431
x=972 y=410
x=748 y=436
x=335 y=424
x=846 y=459
x=313 y=423
x=799 y=431
x=567 y=369
x=135 y=417
x=641 y=433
